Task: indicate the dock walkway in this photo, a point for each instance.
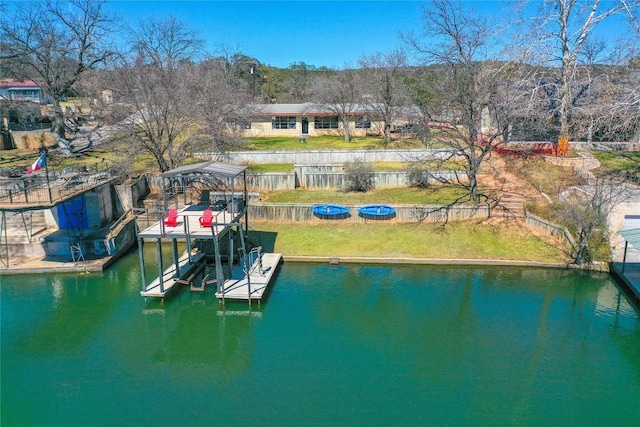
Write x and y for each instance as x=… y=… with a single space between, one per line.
x=255 y=285
x=169 y=279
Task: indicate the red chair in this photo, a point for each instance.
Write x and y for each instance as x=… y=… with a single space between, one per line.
x=207 y=218
x=171 y=220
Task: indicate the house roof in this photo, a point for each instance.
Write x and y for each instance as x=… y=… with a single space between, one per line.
x=6 y=84
x=632 y=236
x=313 y=109
x=307 y=108
x=222 y=170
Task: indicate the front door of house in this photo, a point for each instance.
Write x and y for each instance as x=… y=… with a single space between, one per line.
x=305 y=126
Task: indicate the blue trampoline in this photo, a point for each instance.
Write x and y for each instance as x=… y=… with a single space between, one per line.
x=330 y=211
x=377 y=211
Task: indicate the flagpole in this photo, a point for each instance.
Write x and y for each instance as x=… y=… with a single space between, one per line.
x=46 y=171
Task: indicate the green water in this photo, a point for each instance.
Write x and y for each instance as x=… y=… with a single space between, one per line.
x=332 y=345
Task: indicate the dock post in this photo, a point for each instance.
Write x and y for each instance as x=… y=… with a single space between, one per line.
x=624 y=257
x=176 y=258
x=218 y=261
x=141 y=255
x=246 y=259
x=160 y=269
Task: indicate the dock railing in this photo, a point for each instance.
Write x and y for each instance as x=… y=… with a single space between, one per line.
x=50 y=187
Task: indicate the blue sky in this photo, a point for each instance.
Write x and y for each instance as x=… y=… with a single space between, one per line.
x=332 y=33
x=279 y=33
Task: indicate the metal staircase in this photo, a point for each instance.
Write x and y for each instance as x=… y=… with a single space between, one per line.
x=4 y=243
x=75 y=232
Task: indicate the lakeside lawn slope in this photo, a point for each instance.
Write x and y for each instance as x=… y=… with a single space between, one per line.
x=461 y=240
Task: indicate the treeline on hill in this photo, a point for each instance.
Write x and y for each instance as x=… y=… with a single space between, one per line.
x=460 y=81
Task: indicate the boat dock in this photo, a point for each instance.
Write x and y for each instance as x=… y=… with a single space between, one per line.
x=188 y=225
x=629 y=275
x=628 y=271
x=187 y=265
x=251 y=285
x=215 y=233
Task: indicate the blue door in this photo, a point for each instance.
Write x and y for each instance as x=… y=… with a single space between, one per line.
x=72 y=214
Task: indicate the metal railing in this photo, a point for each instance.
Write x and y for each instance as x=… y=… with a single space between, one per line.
x=50 y=187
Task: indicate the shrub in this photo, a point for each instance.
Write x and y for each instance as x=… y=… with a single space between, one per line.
x=358 y=176
x=418 y=177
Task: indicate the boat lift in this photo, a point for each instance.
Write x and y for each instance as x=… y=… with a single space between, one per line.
x=230 y=221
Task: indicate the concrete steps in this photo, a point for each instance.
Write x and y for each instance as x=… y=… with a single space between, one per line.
x=511 y=205
x=24 y=227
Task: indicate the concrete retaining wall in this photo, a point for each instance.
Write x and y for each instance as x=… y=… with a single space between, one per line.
x=281 y=212
x=315 y=177
x=130 y=194
x=322 y=156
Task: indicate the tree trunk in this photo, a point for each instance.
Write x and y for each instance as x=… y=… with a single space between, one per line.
x=564 y=103
x=473 y=186
x=387 y=133
x=582 y=249
x=474 y=166
x=162 y=163
x=345 y=127
x=58 y=127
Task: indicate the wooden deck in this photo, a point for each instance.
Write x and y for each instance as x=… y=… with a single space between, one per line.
x=169 y=278
x=259 y=278
x=189 y=225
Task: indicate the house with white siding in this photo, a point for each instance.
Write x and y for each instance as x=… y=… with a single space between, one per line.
x=309 y=119
x=11 y=90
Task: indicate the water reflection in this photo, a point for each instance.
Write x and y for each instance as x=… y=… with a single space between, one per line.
x=484 y=319
x=446 y=345
x=76 y=312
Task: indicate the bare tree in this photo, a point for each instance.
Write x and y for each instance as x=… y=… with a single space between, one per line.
x=341 y=94
x=384 y=89
x=159 y=89
x=222 y=105
x=586 y=210
x=621 y=115
x=465 y=102
x=54 y=42
x=562 y=36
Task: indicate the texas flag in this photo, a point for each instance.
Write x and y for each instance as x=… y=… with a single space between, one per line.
x=38 y=164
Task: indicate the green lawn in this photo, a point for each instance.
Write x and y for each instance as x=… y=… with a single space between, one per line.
x=404 y=195
x=326 y=143
x=546 y=177
x=463 y=240
x=270 y=168
x=623 y=164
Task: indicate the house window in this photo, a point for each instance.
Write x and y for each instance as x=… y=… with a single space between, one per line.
x=284 y=122
x=328 y=122
x=363 y=122
x=26 y=95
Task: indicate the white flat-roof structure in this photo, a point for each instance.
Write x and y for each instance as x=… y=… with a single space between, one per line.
x=629 y=273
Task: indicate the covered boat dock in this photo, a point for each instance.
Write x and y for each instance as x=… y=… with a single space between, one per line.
x=209 y=226
x=629 y=272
